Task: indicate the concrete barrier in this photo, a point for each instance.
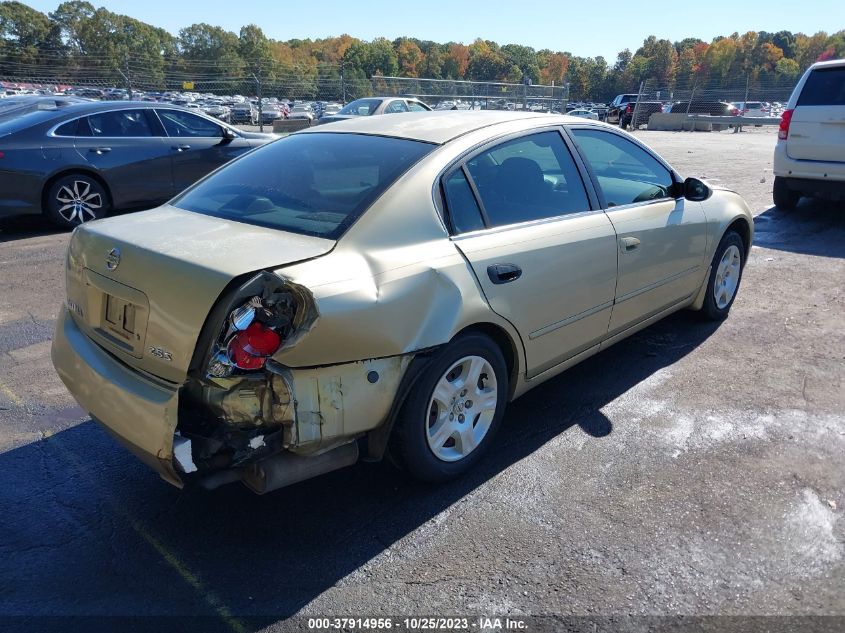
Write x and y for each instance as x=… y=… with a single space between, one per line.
x=673 y=122
x=286 y=126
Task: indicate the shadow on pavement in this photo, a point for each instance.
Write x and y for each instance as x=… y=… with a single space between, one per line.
x=25 y=226
x=815 y=227
x=87 y=530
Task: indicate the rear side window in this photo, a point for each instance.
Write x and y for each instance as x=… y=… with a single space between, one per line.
x=118 y=123
x=528 y=178
x=825 y=86
x=332 y=181
x=464 y=214
x=67 y=129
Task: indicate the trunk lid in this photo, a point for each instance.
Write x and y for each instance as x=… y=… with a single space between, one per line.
x=142 y=285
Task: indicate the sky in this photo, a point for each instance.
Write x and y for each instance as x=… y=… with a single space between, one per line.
x=584 y=28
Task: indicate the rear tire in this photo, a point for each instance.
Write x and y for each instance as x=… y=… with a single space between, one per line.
x=451 y=416
x=74 y=199
x=783 y=197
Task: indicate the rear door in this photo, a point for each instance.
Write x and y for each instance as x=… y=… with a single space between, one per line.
x=197 y=145
x=817 y=130
x=661 y=240
x=124 y=147
x=544 y=255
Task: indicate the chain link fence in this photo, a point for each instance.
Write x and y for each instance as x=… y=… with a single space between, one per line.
x=733 y=96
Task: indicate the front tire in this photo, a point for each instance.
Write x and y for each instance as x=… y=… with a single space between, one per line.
x=75 y=199
x=725 y=275
x=451 y=416
x=783 y=197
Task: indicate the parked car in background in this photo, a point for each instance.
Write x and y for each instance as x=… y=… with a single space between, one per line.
x=584 y=114
x=810 y=151
x=713 y=108
x=270 y=113
x=751 y=108
x=621 y=110
x=218 y=111
x=244 y=112
x=78 y=162
x=302 y=111
x=376 y=105
x=312 y=301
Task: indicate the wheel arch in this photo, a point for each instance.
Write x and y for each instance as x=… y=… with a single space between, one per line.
x=378 y=439
x=69 y=172
x=743 y=228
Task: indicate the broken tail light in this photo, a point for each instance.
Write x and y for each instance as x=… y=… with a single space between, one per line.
x=252 y=333
x=249 y=348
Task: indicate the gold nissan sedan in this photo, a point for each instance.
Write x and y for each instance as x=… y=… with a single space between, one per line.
x=382 y=284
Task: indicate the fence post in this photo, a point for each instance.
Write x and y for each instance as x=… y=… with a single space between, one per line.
x=689 y=103
x=636 y=108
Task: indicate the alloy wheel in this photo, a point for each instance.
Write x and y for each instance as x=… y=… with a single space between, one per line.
x=78 y=203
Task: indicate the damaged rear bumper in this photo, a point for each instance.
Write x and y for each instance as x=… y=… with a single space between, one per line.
x=140 y=412
x=261 y=430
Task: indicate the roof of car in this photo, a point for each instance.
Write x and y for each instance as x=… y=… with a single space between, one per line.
x=431 y=127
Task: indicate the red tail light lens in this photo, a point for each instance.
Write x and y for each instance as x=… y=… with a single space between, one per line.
x=628 y=109
x=250 y=348
x=785 y=120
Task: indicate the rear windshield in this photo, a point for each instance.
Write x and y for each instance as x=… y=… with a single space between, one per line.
x=313 y=184
x=825 y=86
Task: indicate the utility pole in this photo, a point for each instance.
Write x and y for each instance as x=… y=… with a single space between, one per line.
x=343 y=79
x=258 y=94
x=125 y=73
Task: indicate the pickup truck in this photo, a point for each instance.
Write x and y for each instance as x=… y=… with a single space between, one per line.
x=621 y=110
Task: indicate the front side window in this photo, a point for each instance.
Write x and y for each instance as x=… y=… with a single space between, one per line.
x=182 y=124
x=332 y=181
x=626 y=172
x=117 y=123
x=528 y=178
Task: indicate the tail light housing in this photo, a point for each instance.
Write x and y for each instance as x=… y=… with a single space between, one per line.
x=734 y=111
x=785 y=120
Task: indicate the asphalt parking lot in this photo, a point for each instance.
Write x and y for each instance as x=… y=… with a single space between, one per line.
x=693 y=469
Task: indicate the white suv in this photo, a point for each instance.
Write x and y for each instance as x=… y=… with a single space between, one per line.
x=810 y=153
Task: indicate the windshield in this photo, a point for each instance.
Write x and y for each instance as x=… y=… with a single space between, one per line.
x=361 y=107
x=333 y=180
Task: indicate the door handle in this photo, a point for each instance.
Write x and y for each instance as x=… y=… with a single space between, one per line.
x=629 y=244
x=503 y=273
x=181 y=148
x=100 y=150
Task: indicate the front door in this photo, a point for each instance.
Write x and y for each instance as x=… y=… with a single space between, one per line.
x=197 y=145
x=661 y=240
x=544 y=258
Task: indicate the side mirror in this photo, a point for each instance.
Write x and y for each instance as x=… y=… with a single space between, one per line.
x=696 y=190
x=228 y=134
